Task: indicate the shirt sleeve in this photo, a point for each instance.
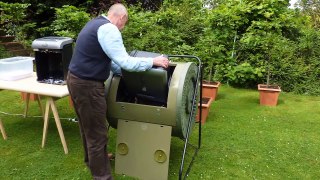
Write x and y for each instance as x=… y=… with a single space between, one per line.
x=111 y=42
x=115 y=68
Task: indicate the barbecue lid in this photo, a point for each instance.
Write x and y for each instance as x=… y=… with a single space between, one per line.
x=51 y=42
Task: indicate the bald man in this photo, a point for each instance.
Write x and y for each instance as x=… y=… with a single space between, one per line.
x=99 y=49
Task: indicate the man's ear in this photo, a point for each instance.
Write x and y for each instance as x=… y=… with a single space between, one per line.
x=122 y=17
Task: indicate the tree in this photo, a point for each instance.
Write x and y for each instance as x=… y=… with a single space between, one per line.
x=311 y=8
x=152 y=5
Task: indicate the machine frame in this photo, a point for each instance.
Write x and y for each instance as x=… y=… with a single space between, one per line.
x=194 y=102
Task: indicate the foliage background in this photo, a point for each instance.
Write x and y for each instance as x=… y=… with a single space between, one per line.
x=239 y=41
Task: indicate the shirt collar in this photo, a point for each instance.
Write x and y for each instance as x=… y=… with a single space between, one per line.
x=103 y=15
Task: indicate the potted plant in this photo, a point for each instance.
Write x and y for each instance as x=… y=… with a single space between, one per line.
x=206 y=103
x=209 y=94
x=269 y=93
x=210 y=88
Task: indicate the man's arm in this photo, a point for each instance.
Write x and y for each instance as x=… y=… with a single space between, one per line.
x=115 y=68
x=111 y=42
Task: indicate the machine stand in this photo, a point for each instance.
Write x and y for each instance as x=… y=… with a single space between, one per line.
x=143 y=150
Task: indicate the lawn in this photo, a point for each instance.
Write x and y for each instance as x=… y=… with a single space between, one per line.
x=240 y=140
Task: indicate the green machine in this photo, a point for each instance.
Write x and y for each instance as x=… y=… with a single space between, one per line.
x=147 y=108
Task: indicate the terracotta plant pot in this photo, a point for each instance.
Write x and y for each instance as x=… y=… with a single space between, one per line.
x=206 y=103
x=32 y=97
x=269 y=95
x=210 y=89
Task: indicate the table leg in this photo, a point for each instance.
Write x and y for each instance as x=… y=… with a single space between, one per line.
x=26 y=105
x=27 y=99
x=46 y=123
x=50 y=103
x=39 y=103
x=2 y=131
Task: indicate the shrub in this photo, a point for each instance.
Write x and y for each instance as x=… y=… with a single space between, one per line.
x=13 y=19
x=244 y=75
x=69 y=21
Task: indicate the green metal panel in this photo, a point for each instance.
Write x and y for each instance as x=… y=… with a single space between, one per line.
x=143 y=150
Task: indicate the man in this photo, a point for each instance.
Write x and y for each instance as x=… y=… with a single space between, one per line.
x=98 y=49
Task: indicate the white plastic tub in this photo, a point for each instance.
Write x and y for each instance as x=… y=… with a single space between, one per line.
x=15 y=68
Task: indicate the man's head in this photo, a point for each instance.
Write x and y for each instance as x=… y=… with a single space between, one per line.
x=118 y=15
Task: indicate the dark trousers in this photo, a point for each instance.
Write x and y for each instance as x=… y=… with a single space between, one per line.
x=90 y=105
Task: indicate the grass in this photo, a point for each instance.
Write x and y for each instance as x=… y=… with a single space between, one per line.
x=240 y=140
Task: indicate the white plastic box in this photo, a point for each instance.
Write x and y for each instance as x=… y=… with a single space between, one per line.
x=15 y=68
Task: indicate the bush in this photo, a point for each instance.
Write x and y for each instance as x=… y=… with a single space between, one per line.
x=4 y=53
x=171 y=30
x=69 y=21
x=244 y=75
x=13 y=19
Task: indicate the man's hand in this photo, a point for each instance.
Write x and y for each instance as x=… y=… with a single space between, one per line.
x=161 y=61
